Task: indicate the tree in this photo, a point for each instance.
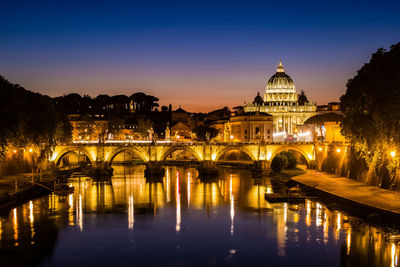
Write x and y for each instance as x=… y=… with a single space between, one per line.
x=202 y=130
x=144 y=126
x=371 y=108
x=29 y=119
x=291 y=161
x=278 y=163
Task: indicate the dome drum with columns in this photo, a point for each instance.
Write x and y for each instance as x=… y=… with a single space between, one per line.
x=282 y=102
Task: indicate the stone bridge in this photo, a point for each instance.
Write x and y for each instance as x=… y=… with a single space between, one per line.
x=104 y=153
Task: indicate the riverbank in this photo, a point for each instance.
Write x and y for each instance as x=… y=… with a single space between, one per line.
x=18 y=188
x=370 y=201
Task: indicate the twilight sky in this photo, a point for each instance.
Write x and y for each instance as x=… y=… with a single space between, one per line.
x=202 y=55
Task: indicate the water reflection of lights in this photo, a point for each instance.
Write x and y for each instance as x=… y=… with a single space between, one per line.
x=178 y=205
x=338 y=226
x=15 y=227
x=394 y=256
x=326 y=229
x=318 y=220
x=79 y=213
x=232 y=204
x=282 y=231
x=348 y=242
x=355 y=241
x=188 y=188
x=308 y=216
x=70 y=210
x=131 y=211
x=31 y=220
x=167 y=185
x=71 y=201
x=285 y=210
x=31 y=211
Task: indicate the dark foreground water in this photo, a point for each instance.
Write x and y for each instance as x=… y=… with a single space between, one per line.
x=184 y=222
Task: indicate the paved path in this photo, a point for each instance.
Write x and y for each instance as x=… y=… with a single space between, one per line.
x=352 y=190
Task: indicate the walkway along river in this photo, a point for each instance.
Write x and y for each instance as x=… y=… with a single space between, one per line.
x=184 y=221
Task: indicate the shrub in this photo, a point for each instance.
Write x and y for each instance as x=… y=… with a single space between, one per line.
x=291 y=161
x=278 y=163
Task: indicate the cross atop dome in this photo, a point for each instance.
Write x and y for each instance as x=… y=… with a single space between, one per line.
x=280 y=67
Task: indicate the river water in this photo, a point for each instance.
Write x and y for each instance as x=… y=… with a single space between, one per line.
x=185 y=222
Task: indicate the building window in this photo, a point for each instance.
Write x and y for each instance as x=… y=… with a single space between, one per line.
x=268 y=132
x=257 y=130
x=245 y=131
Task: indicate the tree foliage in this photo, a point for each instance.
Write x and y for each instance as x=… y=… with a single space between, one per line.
x=283 y=160
x=29 y=119
x=204 y=131
x=278 y=163
x=371 y=108
x=291 y=161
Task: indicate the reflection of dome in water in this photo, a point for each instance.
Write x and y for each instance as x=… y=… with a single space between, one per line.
x=280 y=80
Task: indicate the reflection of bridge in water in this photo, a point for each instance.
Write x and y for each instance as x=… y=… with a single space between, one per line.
x=180 y=187
x=100 y=154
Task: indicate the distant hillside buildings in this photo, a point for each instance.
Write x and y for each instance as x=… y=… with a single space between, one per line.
x=280 y=115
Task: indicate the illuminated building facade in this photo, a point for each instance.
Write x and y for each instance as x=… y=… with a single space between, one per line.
x=249 y=127
x=289 y=110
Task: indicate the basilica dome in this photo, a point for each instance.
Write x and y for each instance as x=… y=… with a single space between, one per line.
x=280 y=81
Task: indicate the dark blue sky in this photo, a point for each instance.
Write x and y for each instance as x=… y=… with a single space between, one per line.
x=202 y=55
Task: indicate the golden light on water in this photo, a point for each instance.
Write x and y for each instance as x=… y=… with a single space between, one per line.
x=318 y=220
x=178 y=205
x=168 y=185
x=189 y=182
x=308 y=216
x=79 y=213
x=232 y=205
x=71 y=200
x=393 y=256
x=326 y=227
x=31 y=220
x=15 y=226
x=131 y=212
x=348 y=242
x=232 y=194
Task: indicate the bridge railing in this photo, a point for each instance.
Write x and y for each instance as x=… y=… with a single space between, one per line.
x=180 y=143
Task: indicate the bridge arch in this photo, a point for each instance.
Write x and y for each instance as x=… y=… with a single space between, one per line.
x=129 y=149
x=293 y=148
x=227 y=149
x=67 y=150
x=180 y=148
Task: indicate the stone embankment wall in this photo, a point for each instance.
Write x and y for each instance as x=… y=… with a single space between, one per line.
x=343 y=161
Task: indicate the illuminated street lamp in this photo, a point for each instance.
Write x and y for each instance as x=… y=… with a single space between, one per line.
x=393 y=154
x=338 y=150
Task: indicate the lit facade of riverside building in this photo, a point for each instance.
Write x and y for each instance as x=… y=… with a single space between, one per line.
x=289 y=110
